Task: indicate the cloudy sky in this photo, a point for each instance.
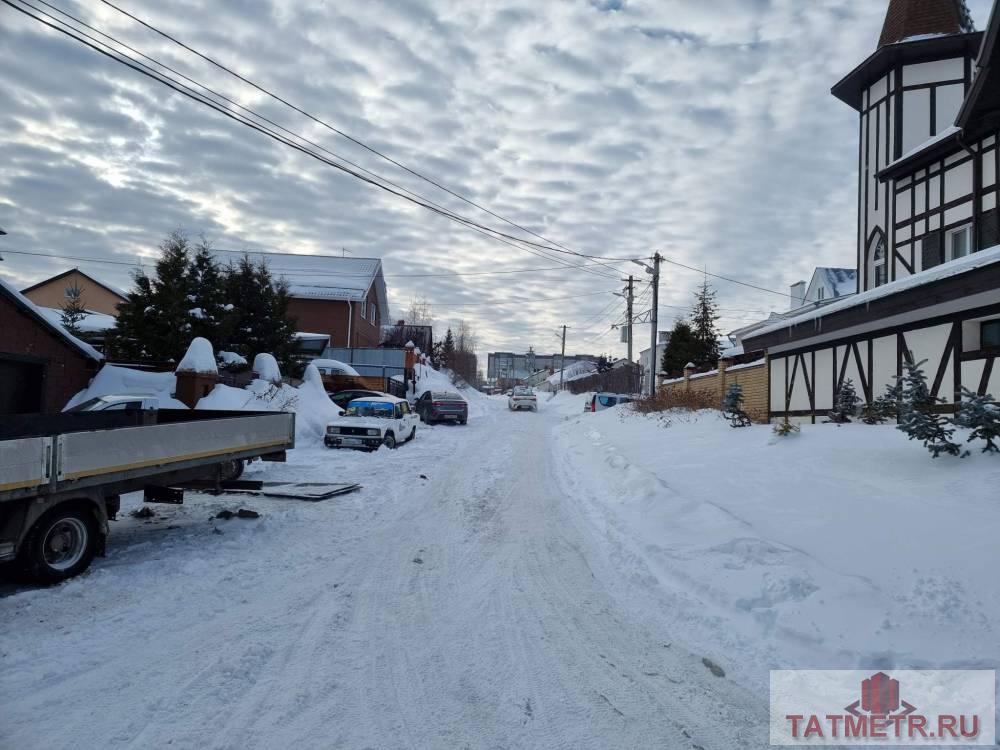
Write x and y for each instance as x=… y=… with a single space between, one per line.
x=703 y=129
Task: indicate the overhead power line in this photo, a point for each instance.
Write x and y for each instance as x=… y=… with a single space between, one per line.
x=312 y=272
x=340 y=132
x=520 y=301
x=375 y=180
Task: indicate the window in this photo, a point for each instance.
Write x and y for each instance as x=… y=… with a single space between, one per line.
x=371 y=312
x=820 y=293
x=363 y=308
x=989 y=335
x=878 y=273
x=958 y=242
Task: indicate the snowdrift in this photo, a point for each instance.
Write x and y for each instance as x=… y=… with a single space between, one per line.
x=111 y=380
x=839 y=547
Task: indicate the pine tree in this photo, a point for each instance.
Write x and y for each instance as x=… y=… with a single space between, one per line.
x=981 y=414
x=447 y=358
x=258 y=322
x=704 y=319
x=681 y=349
x=732 y=407
x=73 y=310
x=154 y=321
x=845 y=404
x=916 y=413
x=883 y=408
x=206 y=295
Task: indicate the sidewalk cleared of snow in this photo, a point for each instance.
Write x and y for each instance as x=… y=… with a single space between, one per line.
x=839 y=547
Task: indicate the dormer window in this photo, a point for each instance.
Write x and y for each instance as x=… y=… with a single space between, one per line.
x=958 y=242
x=820 y=293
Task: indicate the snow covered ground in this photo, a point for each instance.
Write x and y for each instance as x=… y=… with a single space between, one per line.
x=840 y=547
x=531 y=580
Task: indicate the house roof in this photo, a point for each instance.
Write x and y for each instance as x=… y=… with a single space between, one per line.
x=907 y=19
x=872 y=307
x=327 y=277
x=29 y=307
x=983 y=99
x=91 y=322
x=918 y=49
x=842 y=281
x=114 y=290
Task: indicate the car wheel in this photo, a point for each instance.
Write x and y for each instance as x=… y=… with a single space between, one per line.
x=463 y=421
x=389 y=441
x=60 y=545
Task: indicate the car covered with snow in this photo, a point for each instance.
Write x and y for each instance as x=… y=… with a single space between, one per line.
x=522 y=397
x=371 y=422
x=442 y=406
x=114 y=402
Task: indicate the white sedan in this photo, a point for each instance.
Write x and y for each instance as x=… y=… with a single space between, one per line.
x=522 y=398
x=371 y=422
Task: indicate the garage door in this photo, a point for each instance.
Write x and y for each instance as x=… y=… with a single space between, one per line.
x=20 y=386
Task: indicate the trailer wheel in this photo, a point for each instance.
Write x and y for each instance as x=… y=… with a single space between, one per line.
x=232 y=469
x=60 y=545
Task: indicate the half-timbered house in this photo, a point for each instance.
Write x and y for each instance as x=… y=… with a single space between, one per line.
x=928 y=242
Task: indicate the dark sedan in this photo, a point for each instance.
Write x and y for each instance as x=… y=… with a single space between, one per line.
x=442 y=406
x=343 y=398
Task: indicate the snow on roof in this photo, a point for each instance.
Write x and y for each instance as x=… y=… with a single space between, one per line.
x=943 y=135
x=322 y=276
x=22 y=301
x=91 y=322
x=842 y=281
x=573 y=371
x=937 y=273
x=732 y=351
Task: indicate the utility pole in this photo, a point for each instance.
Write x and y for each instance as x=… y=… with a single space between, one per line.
x=653 y=325
x=562 y=359
x=628 y=318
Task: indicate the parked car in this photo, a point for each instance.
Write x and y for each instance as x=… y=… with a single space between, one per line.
x=371 y=422
x=442 y=406
x=343 y=398
x=602 y=401
x=522 y=397
x=117 y=402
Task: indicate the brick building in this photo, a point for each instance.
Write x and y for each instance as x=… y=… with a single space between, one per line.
x=344 y=298
x=95 y=295
x=41 y=366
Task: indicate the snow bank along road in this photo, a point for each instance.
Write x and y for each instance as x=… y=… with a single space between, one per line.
x=476 y=608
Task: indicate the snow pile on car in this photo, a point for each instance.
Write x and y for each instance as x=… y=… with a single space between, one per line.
x=113 y=381
x=840 y=546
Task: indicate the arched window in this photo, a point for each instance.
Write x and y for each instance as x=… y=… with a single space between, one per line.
x=878 y=268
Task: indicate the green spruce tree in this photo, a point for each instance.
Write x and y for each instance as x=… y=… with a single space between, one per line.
x=258 y=321
x=846 y=404
x=207 y=297
x=732 y=407
x=981 y=414
x=681 y=349
x=917 y=417
x=448 y=351
x=704 y=324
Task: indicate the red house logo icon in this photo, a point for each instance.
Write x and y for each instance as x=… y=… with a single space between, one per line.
x=880 y=697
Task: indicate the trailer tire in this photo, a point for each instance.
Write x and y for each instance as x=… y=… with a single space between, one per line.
x=232 y=469
x=60 y=545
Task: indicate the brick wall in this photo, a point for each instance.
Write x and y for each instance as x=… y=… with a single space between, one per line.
x=714 y=385
x=331 y=317
x=65 y=371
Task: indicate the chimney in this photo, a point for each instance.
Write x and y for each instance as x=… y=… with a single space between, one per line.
x=798 y=295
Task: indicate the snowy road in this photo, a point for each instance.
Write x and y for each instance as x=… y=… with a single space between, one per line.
x=476 y=608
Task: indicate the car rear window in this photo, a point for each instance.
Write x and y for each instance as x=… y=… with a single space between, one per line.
x=607 y=400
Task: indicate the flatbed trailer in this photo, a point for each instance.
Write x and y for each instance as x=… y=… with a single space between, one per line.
x=62 y=475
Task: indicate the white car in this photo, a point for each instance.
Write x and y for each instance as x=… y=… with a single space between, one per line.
x=371 y=422
x=522 y=398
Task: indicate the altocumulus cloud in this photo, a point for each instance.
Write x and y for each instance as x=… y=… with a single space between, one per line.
x=703 y=129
